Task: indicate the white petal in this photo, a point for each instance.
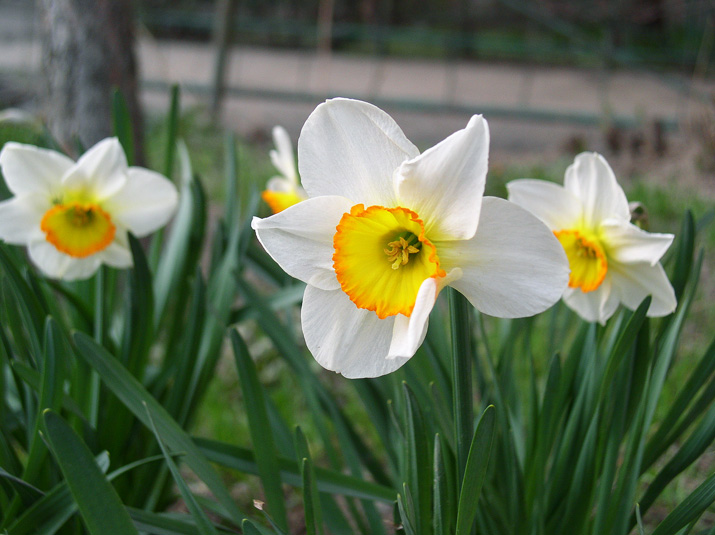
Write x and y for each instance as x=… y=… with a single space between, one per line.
x=627 y=243
x=30 y=169
x=58 y=265
x=145 y=203
x=591 y=179
x=20 y=219
x=597 y=305
x=344 y=338
x=550 y=202
x=409 y=333
x=102 y=169
x=282 y=157
x=118 y=254
x=513 y=267
x=300 y=239
x=445 y=184
x=281 y=184
x=634 y=282
x=352 y=148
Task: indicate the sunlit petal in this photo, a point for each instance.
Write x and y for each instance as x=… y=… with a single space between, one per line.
x=634 y=282
x=627 y=243
x=591 y=180
x=595 y=306
x=550 y=202
x=445 y=184
x=300 y=239
x=513 y=267
x=349 y=341
x=352 y=148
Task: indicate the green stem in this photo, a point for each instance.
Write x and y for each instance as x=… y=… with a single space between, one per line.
x=99 y=337
x=461 y=379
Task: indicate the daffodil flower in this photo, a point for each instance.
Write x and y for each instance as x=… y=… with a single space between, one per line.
x=612 y=260
x=75 y=216
x=385 y=228
x=283 y=190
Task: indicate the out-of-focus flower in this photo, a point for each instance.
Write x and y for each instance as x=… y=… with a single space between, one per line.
x=75 y=216
x=612 y=260
x=385 y=228
x=283 y=190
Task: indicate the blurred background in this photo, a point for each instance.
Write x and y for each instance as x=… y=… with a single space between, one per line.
x=633 y=79
x=550 y=76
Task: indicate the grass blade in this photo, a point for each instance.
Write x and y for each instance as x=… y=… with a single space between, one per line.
x=475 y=471
x=133 y=395
x=97 y=501
x=202 y=522
x=261 y=433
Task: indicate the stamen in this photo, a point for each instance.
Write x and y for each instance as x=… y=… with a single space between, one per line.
x=398 y=251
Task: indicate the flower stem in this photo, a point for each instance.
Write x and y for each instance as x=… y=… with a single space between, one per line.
x=461 y=378
x=99 y=337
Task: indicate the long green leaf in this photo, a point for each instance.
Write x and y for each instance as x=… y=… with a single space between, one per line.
x=690 y=509
x=313 y=512
x=202 y=522
x=261 y=433
x=97 y=501
x=133 y=395
x=328 y=481
x=461 y=377
x=475 y=472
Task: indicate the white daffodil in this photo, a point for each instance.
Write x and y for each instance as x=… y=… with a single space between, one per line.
x=385 y=228
x=283 y=190
x=611 y=259
x=74 y=216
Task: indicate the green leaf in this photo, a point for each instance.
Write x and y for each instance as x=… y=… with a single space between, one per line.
x=697 y=443
x=133 y=395
x=461 y=376
x=202 y=522
x=690 y=509
x=172 y=131
x=311 y=501
x=122 y=125
x=183 y=247
x=475 y=472
x=684 y=255
x=167 y=524
x=97 y=501
x=261 y=433
x=418 y=464
x=328 y=481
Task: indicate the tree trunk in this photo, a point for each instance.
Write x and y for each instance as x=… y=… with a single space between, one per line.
x=88 y=50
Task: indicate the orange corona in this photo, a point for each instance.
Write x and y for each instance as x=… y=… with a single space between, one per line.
x=382 y=257
x=78 y=229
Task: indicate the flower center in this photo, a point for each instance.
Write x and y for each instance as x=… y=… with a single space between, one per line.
x=586 y=257
x=398 y=251
x=382 y=257
x=78 y=229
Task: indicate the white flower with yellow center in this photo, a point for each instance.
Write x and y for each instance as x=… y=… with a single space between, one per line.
x=74 y=216
x=385 y=228
x=612 y=261
x=284 y=190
